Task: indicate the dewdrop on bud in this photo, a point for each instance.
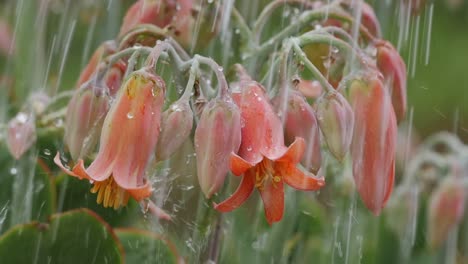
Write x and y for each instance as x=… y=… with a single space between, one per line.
x=336 y=120
x=218 y=134
x=301 y=122
x=176 y=125
x=21 y=134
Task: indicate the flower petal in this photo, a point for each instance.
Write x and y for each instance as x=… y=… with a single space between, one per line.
x=155 y=210
x=73 y=173
x=141 y=192
x=273 y=200
x=243 y=192
x=294 y=152
x=239 y=165
x=300 y=180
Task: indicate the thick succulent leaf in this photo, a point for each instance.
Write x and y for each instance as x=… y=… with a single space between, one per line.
x=78 y=236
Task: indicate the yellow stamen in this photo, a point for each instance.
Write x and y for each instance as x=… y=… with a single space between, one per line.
x=110 y=194
x=264 y=174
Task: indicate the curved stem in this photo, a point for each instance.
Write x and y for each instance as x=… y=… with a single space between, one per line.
x=222 y=83
x=310 y=66
x=59 y=97
x=337 y=31
x=131 y=63
x=267 y=12
x=191 y=81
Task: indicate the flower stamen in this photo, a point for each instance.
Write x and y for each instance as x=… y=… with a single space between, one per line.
x=110 y=194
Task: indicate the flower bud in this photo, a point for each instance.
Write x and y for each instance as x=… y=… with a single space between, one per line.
x=301 y=122
x=155 y=12
x=373 y=145
x=21 y=134
x=310 y=89
x=369 y=19
x=102 y=51
x=446 y=208
x=6 y=39
x=393 y=69
x=218 y=134
x=85 y=114
x=336 y=120
x=176 y=125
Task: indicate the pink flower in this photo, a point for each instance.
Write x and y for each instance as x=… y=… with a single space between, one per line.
x=373 y=147
x=21 y=134
x=128 y=140
x=217 y=136
x=263 y=159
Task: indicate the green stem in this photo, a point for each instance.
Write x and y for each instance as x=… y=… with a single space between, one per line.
x=310 y=66
x=223 y=89
x=244 y=29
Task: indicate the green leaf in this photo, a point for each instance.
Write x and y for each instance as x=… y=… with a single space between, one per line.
x=78 y=236
x=145 y=247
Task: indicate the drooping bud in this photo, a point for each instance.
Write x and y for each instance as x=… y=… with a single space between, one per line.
x=374 y=141
x=446 y=208
x=158 y=13
x=85 y=115
x=336 y=120
x=310 y=89
x=102 y=51
x=301 y=122
x=39 y=102
x=176 y=125
x=369 y=19
x=21 y=134
x=218 y=134
x=393 y=69
x=114 y=77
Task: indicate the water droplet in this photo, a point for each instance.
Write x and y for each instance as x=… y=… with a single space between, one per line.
x=130 y=115
x=249 y=148
x=47 y=152
x=13 y=171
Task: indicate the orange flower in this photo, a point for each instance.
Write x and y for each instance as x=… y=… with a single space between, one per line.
x=128 y=139
x=263 y=159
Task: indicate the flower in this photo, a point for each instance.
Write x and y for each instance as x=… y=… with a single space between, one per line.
x=128 y=139
x=263 y=159
x=336 y=120
x=105 y=49
x=218 y=134
x=373 y=146
x=21 y=133
x=393 y=68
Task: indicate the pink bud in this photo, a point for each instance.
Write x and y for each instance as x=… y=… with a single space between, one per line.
x=85 y=115
x=374 y=141
x=301 y=122
x=155 y=12
x=218 y=134
x=393 y=69
x=369 y=19
x=114 y=77
x=446 y=208
x=336 y=120
x=310 y=89
x=102 y=51
x=21 y=134
x=6 y=39
x=176 y=125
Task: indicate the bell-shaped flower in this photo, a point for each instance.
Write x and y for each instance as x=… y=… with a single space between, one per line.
x=336 y=120
x=373 y=146
x=176 y=125
x=21 y=133
x=85 y=115
x=446 y=209
x=263 y=159
x=217 y=136
x=300 y=121
x=393 y=68
x=128 y=140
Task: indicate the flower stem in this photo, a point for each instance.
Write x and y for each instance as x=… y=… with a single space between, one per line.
x=223 y=89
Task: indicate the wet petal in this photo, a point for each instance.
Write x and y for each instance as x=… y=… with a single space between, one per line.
x=243 y=192
x=273 y=200
x=239 y=165
x=63 y=168
x=141 y=192
x=300 y=180
x=294 y=152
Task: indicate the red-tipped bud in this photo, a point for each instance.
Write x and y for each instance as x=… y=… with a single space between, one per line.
x=310 y=89
x=21 y=134
x=102 y=51
x=217 y=136
x=374 y=141
x=446 y=208
x=369 y=19
x=176 y=125
x=114 y=77
x=85 y=115
x=301 y=122
x=393 y=69
x=336 y=120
